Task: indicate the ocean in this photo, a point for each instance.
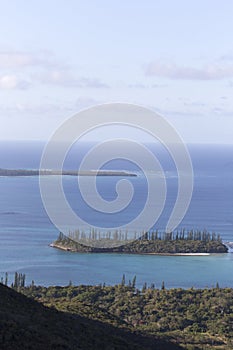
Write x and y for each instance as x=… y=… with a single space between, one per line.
x=26 y=230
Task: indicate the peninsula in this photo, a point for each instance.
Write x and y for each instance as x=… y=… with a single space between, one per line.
x=37 y=172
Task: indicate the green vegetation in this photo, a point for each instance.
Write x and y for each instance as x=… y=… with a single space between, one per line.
x=114 y=317
x=193 y=318
x=26 y=324
x=149 y=243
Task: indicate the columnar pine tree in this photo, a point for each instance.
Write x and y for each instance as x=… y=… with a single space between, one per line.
x=123 y=280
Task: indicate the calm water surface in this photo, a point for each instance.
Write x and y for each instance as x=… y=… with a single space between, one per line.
x=26 y=230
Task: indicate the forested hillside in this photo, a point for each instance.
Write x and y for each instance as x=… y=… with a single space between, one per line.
x=26 y=324
x=193 y=318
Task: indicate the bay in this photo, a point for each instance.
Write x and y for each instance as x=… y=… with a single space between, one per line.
x=26 y=231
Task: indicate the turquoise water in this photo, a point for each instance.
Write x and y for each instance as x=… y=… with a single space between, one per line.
x=26 y=230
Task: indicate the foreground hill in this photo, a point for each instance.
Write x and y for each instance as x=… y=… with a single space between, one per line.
x=27 y=324
x=194 y=318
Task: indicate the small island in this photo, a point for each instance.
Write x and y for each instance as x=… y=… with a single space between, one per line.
x=179 y=243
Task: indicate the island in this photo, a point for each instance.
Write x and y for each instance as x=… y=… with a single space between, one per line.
x=42 y=172
x=179 y=243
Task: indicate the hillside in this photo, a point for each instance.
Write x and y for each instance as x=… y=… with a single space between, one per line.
x=26 y=324
x=193 y=318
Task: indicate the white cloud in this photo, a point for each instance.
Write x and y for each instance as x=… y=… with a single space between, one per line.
x=19 y=59
x=15 y=59
x=173 y=71
x=8 y=82
x=13 y=82
x=46 y=70
x=67 y=79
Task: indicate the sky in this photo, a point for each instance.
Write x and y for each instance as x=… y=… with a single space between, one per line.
x=58 y=57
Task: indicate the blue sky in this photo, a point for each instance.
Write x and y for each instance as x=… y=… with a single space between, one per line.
x=57 y=57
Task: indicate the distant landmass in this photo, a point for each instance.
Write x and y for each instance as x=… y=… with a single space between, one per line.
x=37 y=172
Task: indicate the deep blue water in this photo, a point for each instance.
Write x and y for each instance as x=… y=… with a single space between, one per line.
x=26 y=230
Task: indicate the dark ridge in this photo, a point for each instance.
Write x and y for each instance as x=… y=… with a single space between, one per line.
x=26 y=324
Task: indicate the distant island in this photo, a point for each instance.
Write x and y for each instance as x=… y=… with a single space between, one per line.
x=179 y=243
x=37 y=172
